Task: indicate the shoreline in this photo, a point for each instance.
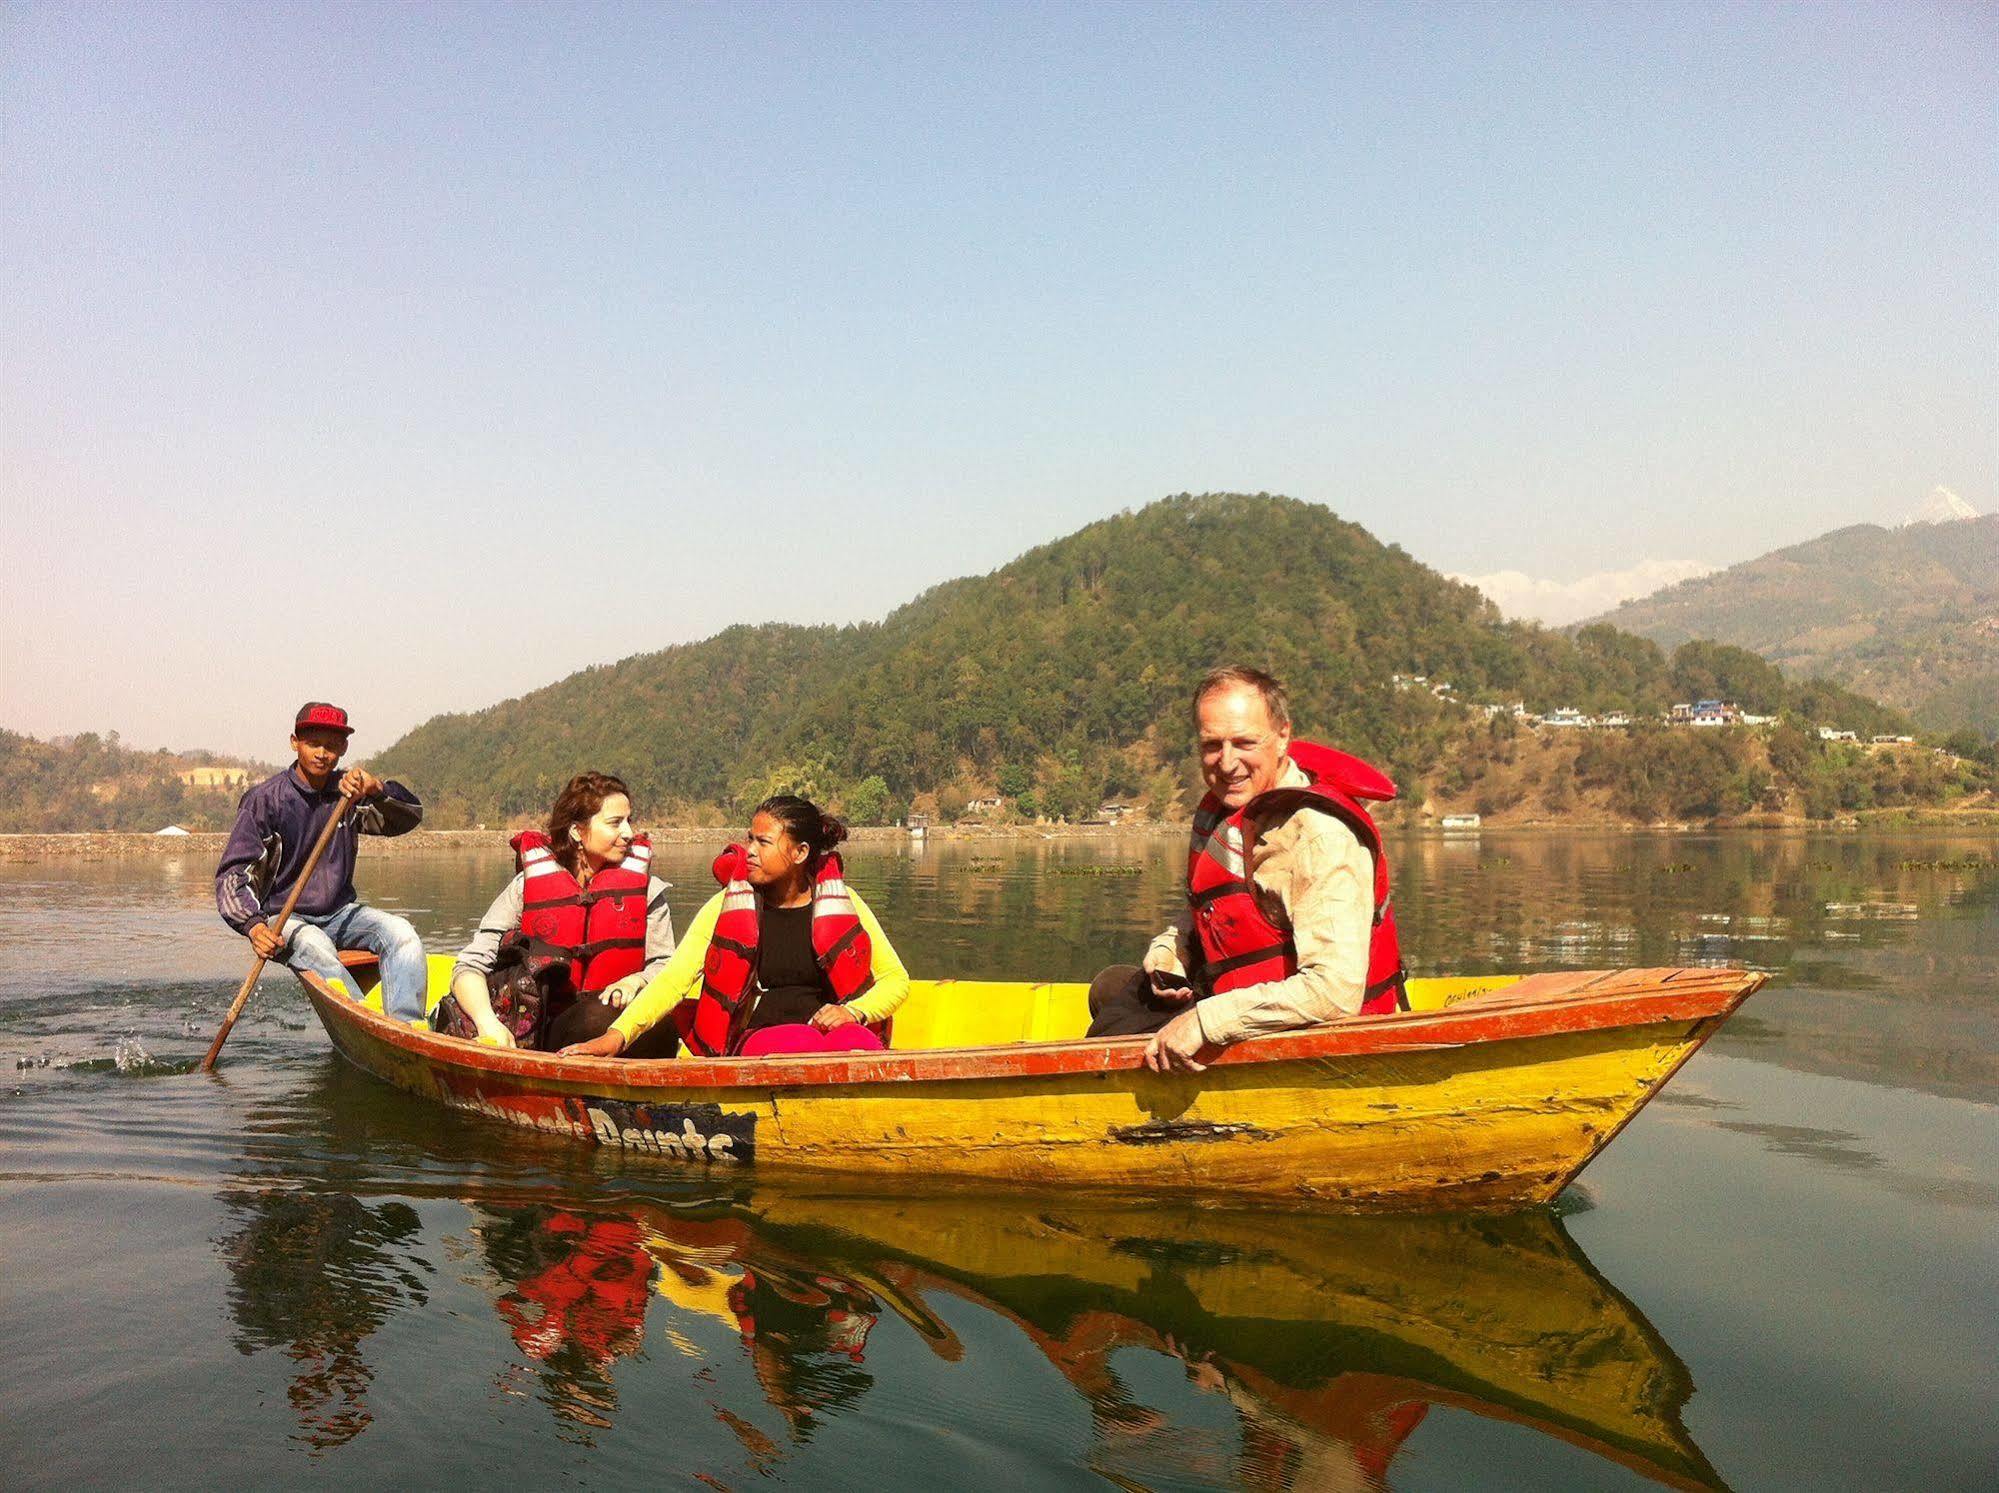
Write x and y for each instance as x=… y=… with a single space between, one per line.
x=126 y=844
x=118 y=844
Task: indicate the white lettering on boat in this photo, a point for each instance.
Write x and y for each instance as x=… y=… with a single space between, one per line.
x=682 y=1132
x=689 y=1145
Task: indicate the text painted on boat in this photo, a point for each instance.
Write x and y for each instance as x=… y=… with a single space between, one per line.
x=686 y=1132
x=682 y=1132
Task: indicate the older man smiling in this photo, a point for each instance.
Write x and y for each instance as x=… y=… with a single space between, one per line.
x=1288 y=921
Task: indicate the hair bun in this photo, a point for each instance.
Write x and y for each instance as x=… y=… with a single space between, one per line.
x=831 y=832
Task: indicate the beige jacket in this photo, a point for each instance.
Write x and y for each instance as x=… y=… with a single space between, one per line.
x=1314 y=876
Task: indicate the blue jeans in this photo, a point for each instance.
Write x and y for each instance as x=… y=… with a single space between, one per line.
x=313 y=941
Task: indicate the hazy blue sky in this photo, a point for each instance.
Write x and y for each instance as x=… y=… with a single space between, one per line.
x=415 y=356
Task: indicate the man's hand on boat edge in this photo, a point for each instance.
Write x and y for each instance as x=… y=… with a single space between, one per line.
x=1176 y=1047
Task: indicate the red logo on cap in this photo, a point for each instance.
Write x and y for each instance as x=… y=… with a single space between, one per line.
x=318 y=713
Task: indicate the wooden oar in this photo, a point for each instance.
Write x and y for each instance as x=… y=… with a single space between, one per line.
x=250 y=980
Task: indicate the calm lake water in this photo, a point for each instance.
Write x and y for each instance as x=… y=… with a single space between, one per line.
x=1784 y=1274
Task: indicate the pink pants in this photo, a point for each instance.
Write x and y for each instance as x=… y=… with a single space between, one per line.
x=784 y=1041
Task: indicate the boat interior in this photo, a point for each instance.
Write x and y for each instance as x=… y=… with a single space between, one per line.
x=984 y=1013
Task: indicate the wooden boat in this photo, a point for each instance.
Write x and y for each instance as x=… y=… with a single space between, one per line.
x=1492 y=1094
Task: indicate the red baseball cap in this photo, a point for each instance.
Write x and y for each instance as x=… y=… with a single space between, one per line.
x=319 y=713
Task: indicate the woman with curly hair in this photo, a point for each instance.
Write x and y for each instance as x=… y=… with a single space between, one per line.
x=574 y=936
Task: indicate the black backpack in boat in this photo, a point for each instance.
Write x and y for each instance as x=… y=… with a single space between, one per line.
x=531 y=983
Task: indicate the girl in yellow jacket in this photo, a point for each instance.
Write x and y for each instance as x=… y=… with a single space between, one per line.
x=784 y=959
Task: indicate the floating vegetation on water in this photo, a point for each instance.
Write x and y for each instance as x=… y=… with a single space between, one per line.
x=983 y=863
x=1895 y=911
x=1115 y=868
x=1969 y=863
x=1678 y=868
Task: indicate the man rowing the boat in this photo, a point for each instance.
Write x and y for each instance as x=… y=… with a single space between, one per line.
x=278 y=822
x=1287 y=922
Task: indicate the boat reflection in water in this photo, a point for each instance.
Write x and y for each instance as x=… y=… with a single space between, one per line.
x=1330 y=1339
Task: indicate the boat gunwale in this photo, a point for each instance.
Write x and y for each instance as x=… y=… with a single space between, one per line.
x=1538 y=1006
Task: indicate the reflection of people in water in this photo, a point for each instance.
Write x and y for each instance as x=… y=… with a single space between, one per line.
x=805 y=1328
x=576 y=1299
x=807 y=1334
x=1341 y=1435
x=315 y=1274
x=576 y=1289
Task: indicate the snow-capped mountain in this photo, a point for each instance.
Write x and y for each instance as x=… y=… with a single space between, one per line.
x=1943 y=507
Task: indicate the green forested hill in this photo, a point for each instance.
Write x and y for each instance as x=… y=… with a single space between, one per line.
x=1909 y=616
x=1062 y=678
x=676 y=724
x=91 y=782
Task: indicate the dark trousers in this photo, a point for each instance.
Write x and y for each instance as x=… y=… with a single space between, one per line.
x=1122 y=1004
x=587 y=1018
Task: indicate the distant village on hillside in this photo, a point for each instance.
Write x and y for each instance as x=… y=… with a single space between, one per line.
x=1696 y=713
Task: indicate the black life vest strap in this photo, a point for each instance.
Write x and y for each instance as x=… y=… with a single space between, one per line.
x=708 y=987
x=740 y=950
x=596 y=946
x=584 y=897
x=1218 y=891
x=1234 y=962
x=1398 y=982
x=840 y=946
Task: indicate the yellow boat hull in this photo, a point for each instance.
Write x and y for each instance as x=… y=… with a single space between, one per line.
x=1492 y=1095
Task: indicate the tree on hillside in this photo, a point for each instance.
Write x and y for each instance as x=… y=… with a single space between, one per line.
x=810 y=779
x=867 y=802
x=1717 y=671
x=1162 y=797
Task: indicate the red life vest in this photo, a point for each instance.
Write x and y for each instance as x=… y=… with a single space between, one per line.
x=601 y=927
x=592 y=1297
x=839 y=942
x=1240 y=945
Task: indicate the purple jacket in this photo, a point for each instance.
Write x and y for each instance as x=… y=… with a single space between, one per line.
x=276 y=825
